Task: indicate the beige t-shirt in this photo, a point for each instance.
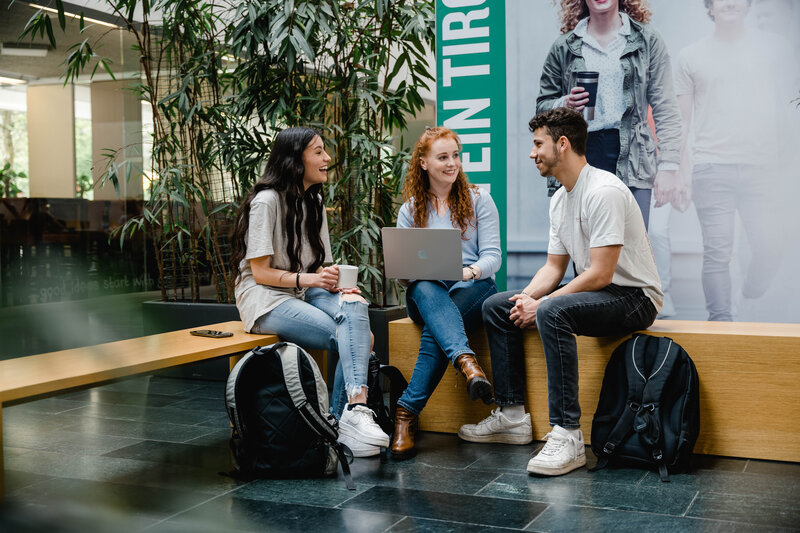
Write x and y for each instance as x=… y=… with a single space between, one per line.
x=266 y=235
x=601 y=211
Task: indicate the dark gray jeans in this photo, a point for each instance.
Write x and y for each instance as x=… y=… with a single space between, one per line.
x=612 y=311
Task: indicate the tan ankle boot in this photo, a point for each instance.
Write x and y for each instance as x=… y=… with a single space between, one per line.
x=406 y=424
x=477 y=384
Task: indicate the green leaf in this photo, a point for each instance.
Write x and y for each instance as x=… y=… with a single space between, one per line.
x=48 y=26
x=62 y=20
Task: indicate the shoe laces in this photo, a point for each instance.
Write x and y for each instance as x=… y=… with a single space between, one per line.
x=491 y=419
x=364 y=413
x=555 y=443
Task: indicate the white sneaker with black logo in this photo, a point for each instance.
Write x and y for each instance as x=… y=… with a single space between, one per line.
x=562 y=453
x=358 y=423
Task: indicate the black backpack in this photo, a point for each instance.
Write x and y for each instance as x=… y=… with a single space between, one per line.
x=378 y=377
x=649 y=409
x=278 y=405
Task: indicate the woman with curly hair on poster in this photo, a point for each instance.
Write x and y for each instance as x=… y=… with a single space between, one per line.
x=614 y=38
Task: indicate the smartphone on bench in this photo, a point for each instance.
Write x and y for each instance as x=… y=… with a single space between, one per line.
x=211 y=333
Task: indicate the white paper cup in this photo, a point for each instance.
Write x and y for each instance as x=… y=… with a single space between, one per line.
x=348 y=277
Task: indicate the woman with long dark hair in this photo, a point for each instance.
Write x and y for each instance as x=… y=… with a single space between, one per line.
x=438 y=195
x=280 y=246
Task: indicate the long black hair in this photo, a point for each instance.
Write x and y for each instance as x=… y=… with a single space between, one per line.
x=284 y=173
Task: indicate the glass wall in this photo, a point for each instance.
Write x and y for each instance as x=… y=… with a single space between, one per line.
x=65 y=280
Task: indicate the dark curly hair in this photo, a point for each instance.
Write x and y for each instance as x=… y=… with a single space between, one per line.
x=284 y=173
x=565 y=122
x=417 y=184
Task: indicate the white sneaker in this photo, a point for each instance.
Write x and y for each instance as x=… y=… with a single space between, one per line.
x=497 y=427
x=359 y=449
x=358 y=422
x=562 y=453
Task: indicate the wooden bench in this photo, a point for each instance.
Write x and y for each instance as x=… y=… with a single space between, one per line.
x=34 y=376
x=749 y=383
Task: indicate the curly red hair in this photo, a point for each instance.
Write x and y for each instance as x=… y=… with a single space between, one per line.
x=573 y=11
x=417 y=184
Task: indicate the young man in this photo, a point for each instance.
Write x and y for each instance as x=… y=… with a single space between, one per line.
x=734 y=90
x=595 y=221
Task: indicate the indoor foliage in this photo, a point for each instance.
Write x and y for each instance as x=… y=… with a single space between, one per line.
x=222 y=78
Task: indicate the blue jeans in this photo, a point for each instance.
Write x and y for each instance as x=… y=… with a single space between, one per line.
x=611 y=311
x=323 y=322
x=719 y=192
x=446 y=309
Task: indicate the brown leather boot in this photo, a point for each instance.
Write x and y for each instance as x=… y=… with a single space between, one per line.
x=477 y=384
x=406 y=424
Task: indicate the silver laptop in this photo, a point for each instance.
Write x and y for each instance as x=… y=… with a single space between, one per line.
x=422 y=253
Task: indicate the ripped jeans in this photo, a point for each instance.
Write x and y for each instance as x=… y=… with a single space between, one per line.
x=321 y=322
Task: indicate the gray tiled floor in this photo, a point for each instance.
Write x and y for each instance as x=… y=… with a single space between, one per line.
x=147 y=454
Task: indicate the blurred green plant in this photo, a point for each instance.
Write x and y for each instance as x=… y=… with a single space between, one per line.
x=222 y=78
x=8 y=181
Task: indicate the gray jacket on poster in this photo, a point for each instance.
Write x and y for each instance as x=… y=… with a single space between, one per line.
x=648 y=80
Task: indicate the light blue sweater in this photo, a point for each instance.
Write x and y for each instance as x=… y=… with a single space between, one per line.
x=481 y=245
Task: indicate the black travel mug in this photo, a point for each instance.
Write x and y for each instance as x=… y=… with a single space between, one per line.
x=588 y=80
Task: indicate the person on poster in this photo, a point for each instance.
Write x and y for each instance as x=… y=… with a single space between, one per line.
x=596 y=222
x=733 y=90
x=613 y=38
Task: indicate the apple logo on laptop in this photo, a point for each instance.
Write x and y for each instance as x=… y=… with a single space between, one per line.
x=422 y=254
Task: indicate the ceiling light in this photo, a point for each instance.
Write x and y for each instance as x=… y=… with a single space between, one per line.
x=10 y=81
x=24 y=49
x=74 y=16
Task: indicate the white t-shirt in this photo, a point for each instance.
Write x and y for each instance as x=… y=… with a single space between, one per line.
x=266 y=236
x=601 y=211
x=740 y=91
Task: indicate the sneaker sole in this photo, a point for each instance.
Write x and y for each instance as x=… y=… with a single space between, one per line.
x=373 y=451
x=545 y=471
x=365 y=451
x=350 y=431
x=499 y=438
x=480 y=388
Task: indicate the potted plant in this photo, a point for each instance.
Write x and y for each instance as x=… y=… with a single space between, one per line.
x=355 y=70
x=221 y=81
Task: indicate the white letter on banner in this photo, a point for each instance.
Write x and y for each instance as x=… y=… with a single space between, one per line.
x=485 y=165
x=475 y=138
x=464 y=19
x=449 y=72
x=462 y=3
x=461 y=120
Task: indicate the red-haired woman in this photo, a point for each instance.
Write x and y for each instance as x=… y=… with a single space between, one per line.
x=438 y=195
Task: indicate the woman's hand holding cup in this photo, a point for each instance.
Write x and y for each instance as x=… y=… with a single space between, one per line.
x=577 y=99
x=327 y=278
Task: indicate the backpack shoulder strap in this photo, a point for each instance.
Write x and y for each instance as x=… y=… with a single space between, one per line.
x=634 y=361
x=648 y=419
x=291 y=361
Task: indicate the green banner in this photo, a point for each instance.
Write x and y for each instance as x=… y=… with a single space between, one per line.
x=471 y=93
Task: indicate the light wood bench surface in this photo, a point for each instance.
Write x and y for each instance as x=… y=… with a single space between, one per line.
x=32 y=376
x=749 y=383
